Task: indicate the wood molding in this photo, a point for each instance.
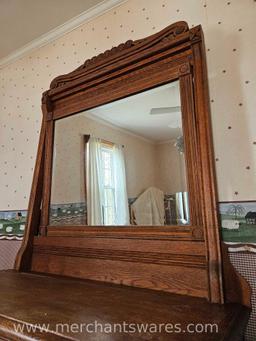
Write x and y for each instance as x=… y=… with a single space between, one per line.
x=196 y=261
x=127 y=81
x=208 y=186
x=49 y=135
x=165 y=265
x=124 y=54
x=141 y=232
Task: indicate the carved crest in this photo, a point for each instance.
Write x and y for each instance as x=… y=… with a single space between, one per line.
x=118 y=53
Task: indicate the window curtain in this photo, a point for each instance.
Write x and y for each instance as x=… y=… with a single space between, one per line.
x=94 y=182
x=186 y=207
x=95 y=189
x=182 y=207
x=121 y=199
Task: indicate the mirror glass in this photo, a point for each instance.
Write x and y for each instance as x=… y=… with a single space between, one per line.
x=122 y=163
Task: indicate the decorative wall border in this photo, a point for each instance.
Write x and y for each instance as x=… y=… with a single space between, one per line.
x=239 y=208
x=13 y=237
x=238 y=225
x=12 y=224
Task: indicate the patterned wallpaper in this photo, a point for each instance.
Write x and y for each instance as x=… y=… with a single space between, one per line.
x=229 y=28
x=230 y=42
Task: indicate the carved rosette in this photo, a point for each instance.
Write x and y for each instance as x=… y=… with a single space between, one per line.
x=184 y=69
x=198 y=233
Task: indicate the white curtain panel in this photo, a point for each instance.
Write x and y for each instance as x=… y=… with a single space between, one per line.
x=95 y=188
x=182 y=207
x=121 y=198
x=94 y=182
x=186 y=207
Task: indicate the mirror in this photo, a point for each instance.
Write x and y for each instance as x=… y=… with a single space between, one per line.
x=122 y=163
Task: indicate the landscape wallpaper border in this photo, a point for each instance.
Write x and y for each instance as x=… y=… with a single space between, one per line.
x=12 y=224
x=237 y=219
x=238 y=222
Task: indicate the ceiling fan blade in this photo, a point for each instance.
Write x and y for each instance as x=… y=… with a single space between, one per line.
x=165 y=110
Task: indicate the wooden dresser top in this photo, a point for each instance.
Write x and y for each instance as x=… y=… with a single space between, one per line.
x=41 y=299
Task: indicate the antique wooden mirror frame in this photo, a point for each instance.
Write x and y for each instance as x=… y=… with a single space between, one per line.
x=179 y=259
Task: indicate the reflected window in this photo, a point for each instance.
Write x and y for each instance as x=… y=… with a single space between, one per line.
x=107 y=200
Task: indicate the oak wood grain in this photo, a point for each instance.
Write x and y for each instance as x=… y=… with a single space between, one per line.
x=175 y=53
x=53 y=300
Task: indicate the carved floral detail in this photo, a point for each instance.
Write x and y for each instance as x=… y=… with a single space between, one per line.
x=166 y=35
x=108 y=53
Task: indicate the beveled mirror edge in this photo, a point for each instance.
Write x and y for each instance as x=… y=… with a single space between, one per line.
x=174 y=41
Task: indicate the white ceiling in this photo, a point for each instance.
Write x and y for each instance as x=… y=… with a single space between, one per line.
x=133 y=114
x=22 y=21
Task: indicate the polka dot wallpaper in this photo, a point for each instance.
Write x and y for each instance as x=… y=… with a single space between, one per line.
x=229 y=28
x=231 y=45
